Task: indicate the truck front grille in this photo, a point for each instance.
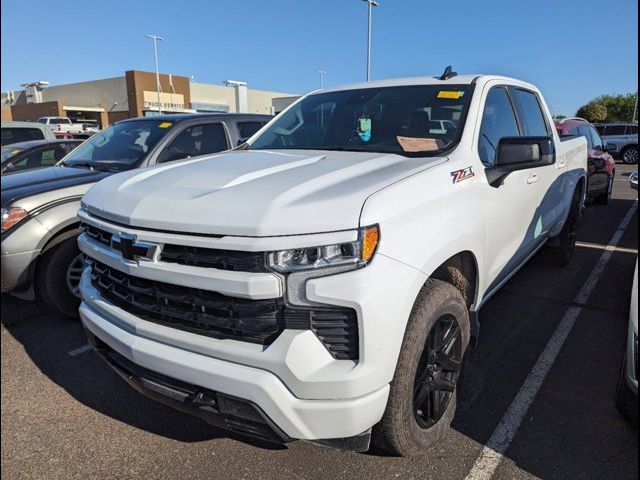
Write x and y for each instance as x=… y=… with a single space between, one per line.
x=231 y=260
x=237 y=261
x=216 y=315
x=97 y=234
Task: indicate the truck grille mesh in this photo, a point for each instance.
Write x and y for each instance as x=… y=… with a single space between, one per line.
x=216 y=315
x=232 y=260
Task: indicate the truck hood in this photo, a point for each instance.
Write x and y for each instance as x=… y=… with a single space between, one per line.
x=19 y=185
x=252 y=193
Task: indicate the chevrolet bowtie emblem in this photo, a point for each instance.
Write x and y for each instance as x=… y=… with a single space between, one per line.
x=131 y=249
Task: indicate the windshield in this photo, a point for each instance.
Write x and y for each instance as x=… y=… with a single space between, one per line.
x=120 y=147
x=420 y=120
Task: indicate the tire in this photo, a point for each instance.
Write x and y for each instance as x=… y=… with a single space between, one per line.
x=626 y=400
x=562 y=254
x=630 y=155
x=604 y=197
x=57 y=270
x=405 y=428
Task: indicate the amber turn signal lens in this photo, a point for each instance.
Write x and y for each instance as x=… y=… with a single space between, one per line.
x=370 y=242
x=12 y=216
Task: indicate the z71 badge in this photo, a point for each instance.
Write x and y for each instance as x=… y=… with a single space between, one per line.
x=462 y=174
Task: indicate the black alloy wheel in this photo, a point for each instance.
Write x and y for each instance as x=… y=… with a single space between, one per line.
x=438 y=371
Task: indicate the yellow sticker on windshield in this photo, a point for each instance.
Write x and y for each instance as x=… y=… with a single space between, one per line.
x=449 y=94
x=165 y=125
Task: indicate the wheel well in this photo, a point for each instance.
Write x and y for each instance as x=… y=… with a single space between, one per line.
x=460 y=271
x=581 y=186
x=60 y=236
x=63 y=234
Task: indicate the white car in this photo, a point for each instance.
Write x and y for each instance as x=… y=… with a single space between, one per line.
x=627 y=393
x=323 y=281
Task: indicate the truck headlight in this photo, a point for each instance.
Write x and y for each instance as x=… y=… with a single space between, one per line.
x=356 y=254
x=11 y=216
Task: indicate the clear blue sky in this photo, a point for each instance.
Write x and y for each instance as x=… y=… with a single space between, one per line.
x=572 y=49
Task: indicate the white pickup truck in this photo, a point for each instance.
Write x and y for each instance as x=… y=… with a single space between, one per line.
x=61 y=125
x=323 y=281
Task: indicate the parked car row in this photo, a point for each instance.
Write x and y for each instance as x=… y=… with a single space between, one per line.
x=322 y=278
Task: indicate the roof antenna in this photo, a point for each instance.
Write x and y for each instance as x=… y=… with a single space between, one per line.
x=448 y=73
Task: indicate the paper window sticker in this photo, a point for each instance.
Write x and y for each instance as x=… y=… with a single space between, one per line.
x=415 y=145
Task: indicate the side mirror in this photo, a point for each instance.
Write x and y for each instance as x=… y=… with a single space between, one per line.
x=241 y=140
x=520 y=153
x=610 y=147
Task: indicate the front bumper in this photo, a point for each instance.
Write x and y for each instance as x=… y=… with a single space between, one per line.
x=19 y=251
x=295 y=417
x=293 y=379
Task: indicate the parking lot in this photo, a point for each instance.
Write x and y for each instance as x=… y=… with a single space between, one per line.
x=65 y=414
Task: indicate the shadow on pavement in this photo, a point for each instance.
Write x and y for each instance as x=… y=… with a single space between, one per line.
x=47 y=338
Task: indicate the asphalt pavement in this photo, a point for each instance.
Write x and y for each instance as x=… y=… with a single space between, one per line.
x=65 y=414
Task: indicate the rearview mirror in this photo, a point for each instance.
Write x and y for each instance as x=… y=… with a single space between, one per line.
x=520 y=153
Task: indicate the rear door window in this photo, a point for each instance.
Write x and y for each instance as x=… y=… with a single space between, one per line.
x=585 y=131
x=60 y=121
x=632 y=130
x=15 y=135
x=194 y=141
x=498 y=121
x=530 y=113
x=614 y=130
x=596 y=140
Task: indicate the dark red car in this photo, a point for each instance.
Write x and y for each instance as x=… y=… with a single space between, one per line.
x=602 y=166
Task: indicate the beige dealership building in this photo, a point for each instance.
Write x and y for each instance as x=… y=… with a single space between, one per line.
x=134 y=95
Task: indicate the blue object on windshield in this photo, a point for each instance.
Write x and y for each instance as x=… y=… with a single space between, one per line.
x=364 y=129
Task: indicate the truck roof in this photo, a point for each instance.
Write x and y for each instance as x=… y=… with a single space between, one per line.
x=181 y=117
x=425 y=80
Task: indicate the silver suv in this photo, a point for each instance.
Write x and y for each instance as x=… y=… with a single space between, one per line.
x=624 y=136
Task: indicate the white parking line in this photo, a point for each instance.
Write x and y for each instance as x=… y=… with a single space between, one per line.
x=77 y=351
x=486 y=464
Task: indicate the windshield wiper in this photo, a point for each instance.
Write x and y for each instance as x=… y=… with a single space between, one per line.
x=89 y=165
x=93 y=166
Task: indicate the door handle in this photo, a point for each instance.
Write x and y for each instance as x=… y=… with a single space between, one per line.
x=561 y=165
x=533 y=179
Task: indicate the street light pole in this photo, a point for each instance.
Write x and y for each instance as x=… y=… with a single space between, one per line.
x=155 y=39
x=322 y=73
x=371 y=4
x=635 y=109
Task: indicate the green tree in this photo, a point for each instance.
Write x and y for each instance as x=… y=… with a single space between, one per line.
x=619 y=107
x=593 y=112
